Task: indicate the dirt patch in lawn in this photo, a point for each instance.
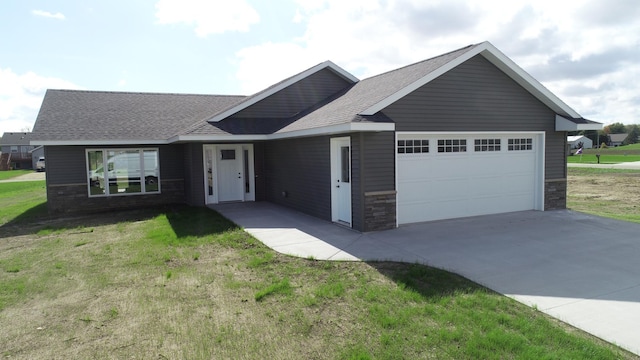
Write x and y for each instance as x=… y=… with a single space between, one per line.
x=612 y=194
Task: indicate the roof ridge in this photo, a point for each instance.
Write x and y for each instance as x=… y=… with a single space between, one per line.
x=422 y=61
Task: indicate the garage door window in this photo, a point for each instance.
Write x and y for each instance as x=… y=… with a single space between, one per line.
x=413 y=146
x=452 y=145
x=482 y=145
x=520 y=144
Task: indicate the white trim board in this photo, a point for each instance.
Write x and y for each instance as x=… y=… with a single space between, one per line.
x=325 y=130
x=564 y=124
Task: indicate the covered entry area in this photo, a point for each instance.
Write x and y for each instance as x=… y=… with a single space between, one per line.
x=229 y=173
x=452 y=175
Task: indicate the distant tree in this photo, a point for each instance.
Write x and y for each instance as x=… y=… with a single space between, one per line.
x=594 y=135
x=634 y=132
x=615 y=128
x=25 y=129
x=601 y=137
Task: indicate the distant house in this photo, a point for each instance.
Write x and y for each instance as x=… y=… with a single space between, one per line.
x=574 y=142
x=617 y=139
x=16 y=151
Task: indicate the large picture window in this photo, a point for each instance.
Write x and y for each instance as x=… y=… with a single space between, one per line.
x=123 y=172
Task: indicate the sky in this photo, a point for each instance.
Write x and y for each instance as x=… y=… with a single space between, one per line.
x=587 y=52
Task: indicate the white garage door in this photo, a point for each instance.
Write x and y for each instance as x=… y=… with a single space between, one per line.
x=443 y=176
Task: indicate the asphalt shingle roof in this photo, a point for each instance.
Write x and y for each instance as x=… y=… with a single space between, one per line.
x=16 y=138
x=96 y=116
x=99 y=115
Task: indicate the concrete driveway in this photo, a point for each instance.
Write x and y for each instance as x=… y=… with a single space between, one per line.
x=581 y=269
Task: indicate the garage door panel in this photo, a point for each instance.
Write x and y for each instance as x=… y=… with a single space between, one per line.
x=436 y=186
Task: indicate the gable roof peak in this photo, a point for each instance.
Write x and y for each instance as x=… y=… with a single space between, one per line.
x=430 y=69
x=261 y=95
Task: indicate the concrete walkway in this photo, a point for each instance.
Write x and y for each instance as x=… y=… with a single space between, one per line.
x=34 y=176
x=581 y=269
x=635 y=165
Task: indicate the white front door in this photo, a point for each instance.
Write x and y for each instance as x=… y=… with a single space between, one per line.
x=341 y=180
x=229 y=160
x=228 y=173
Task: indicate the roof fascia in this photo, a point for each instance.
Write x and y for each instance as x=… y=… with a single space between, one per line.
x=96 y=142
x=325 y=130
x=335 y=129
x=243 y=105
x=564 y=124
x=188 y=138
x=497 y=58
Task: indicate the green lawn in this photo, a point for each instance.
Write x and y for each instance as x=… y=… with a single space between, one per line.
x=629 y=147
x=186 y=283
x=22 y=200
x=604 y=158
x=4 y=175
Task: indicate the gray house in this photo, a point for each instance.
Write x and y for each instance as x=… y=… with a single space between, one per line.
x=617 y=139
x=462 y=134
x=16 y=151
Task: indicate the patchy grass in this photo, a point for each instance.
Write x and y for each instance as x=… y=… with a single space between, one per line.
x=186 y=283
x=610 y=193
x=5 y=175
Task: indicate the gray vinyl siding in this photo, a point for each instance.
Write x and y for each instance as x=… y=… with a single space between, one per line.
x=297 y=97
x=357 y=182
x=258 y=167
x=556 y=155
x=67 y=164
x=300 y=168
x=372 y=169
x=477 y=96
x=379 y=161
x=194 y=174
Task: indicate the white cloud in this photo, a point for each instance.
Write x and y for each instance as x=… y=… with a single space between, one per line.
x=58 y=15
x=208 y=16
x=21 y=96
x=560 y=43
x=264 y=65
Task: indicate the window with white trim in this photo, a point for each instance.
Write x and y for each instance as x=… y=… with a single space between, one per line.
x=413 y=146
x=112 y=172
x=452 y=145
x=482 y=145
x=520 y=144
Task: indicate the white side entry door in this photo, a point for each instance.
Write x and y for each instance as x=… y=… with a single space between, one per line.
x=341 y=180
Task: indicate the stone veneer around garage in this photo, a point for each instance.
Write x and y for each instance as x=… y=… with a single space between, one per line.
x=555 y=194
x=379 y=210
